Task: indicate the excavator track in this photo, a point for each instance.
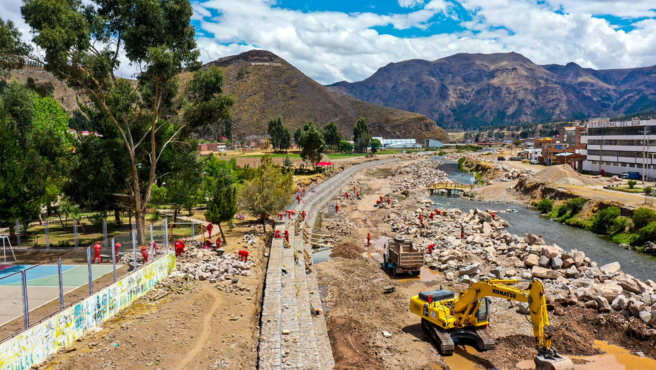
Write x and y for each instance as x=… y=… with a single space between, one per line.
x=441 y=339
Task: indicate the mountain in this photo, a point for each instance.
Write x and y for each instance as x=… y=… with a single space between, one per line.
x=465 y=91
x=265 y=86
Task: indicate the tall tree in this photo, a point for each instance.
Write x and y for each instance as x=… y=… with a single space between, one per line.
x=312 y=143
x=12 y=49
x=279 y=134
x=82 y=45
x=361 y=136
x=332 y=135
x=297 y=136
x=268 y=193
x=223 y=204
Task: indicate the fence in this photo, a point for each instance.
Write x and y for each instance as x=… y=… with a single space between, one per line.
x=31 y=293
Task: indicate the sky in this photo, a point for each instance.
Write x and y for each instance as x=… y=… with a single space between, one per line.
x=349 y=40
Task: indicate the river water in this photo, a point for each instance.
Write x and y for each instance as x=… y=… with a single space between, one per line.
x=525 y=220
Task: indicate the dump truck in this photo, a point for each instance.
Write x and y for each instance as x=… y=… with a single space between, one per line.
x=402 y=257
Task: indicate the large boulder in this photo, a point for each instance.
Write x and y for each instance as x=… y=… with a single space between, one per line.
x=603 y=304
x=607 y=290
x=543 y=273
x=572 y=272
x=579 y=258
x=544 y=261
x=556 y=263
x=635 y=306
x=550 y=251
x=568 y=262
x=471 y=270
x=534 y=239
x=498 y=272
x=532 y=260
x=610 y=269
x=630 y=285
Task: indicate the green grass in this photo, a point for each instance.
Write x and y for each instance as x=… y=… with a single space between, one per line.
x=625 y=237
x=625 y=188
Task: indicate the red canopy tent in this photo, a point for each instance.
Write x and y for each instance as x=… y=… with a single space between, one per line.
x=324 y=164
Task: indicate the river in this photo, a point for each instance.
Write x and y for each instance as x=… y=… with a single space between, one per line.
x=525 y=220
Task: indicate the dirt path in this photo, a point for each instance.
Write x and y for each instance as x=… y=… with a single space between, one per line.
x=207 y=329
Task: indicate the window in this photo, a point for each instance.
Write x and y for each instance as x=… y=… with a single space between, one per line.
x=632 y=165
x=623 y=164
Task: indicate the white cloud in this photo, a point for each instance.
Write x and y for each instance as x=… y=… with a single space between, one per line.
x=410 y=3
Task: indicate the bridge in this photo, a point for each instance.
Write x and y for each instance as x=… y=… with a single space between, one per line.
x=451 y=188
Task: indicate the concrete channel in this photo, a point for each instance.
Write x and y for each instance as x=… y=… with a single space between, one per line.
x=291 y=335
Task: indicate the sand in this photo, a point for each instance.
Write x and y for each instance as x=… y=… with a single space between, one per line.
x=564 y=175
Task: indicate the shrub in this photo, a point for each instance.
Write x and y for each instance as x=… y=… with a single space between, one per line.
x=561 y=210
x=643 y=217
x=604 y=219
x=98 y=218
x=461 y=162
x=155 y=216
x=648 y=190
x=648 y=233
x=618 y=225
x=545 y=205
x=632 y=183
x=575 y=205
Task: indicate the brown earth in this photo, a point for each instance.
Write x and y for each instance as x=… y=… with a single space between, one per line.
x=565 y=175
x=347 y=250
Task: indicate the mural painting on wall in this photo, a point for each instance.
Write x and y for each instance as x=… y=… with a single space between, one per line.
x=37 y=343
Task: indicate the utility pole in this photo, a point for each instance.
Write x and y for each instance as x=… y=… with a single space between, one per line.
x=644 y=156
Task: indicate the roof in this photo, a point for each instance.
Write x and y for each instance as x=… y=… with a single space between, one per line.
x=323 y=164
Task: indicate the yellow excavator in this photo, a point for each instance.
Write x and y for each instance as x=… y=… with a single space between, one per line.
x=445 y=318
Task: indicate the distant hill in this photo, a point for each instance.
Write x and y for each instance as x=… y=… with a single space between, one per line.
x=266 y=86
x=465 y=91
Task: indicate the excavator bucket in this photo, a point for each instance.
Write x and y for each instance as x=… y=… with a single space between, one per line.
x=553 y=362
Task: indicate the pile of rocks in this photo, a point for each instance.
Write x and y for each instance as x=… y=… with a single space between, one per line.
x=338 y=226
x=205 y=264
x=419 y=175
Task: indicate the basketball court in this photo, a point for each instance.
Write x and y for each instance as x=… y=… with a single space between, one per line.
x=42 y=285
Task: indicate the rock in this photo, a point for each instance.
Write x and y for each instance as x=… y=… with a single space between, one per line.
x=592 y=304
x=646 y=299
x=544 y=261
x=603 y=304
x=556 y=263
x=498 y=272
x=533 y=239
x=286 y=332
x=465 y=279
x=449 y=276
x=579 y=258
x=616 y=303
x=487 y=229
x=610 y=268
x=523 y=308
x=469 y=270
x=630 y=285
x=607 y=290
x=582 y=283
x=510 y=273
x=634 y=307
x=550 y=251
x=568 y=262
x=645 y=316
x=532 y=260
x=543 y=273
x=572 y=272
x=387 y=334
x=428 y=260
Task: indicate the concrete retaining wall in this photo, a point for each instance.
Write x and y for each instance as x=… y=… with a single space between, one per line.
x=36 y=344
x=291 y=337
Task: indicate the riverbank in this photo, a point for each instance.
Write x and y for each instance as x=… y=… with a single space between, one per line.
x=358 y=308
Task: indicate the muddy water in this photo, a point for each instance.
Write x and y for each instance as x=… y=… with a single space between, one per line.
x=614 y=358
x=567 y=237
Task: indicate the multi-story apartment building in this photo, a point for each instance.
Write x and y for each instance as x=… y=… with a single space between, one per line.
x=617 y=147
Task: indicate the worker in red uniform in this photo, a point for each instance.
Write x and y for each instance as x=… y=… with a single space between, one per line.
x=389 y=200
x=280 y=215
x=462 y=232
x=218 y=242
x=346 y=195
x=154 y=249
x=353 y=188
x=421 y=220
x=494 y=216
x=432 y=215
x=430 y=248
x=303 y=191
x=298 y=198
x=243 y=255
x=207 y=244
x=287 y=236
x=303 y=214
x=179 y=248
x=209 y=230
x=358 y=195
x=336 y=207
x=117 y=246
x=437 y=212
x=277 y=236
x=144 y=254
x=381 y=198
x=96 y=252
x=368 y=239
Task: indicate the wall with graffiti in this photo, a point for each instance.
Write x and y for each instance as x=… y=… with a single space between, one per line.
x=37 y=343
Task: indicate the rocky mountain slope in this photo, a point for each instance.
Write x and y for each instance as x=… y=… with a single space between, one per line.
x=470 y=90
x=266 y=86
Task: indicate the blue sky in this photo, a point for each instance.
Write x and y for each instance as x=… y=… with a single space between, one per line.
x=349 y=40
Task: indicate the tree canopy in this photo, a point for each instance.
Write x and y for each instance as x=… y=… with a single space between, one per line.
x=332 y=135
x=312 y=143
x=279 y=134
x=361 y=136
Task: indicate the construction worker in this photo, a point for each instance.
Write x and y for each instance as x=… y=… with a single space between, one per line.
x=179 y=248
x=144 y=254
x=277 y=236
x=353 y=187
x=389 y=200
x=368 y=239
x=432 y=215
x=207 y=244
x=209 y=230
x=381 y=198
x=358 y=195
x=243 y=255
x=346 y=195
x=462 y=232
x=298 y=198
x=218 y=242
x=336 y=207
x=303 y=191
x=303 y=214
x=437 y=212
x=117 y=246
x=493 y=215
x=96 y=252
x=287 y=236
x=430 y=248
x=280 y=216
x=421 y=220
x=154 y=249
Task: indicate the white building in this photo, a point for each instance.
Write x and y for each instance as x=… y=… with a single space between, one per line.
x=398 y=143
x=616 y=147
x=430 y=143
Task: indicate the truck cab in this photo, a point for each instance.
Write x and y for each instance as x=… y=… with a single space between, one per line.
x=402 y=256
x=631 y=175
